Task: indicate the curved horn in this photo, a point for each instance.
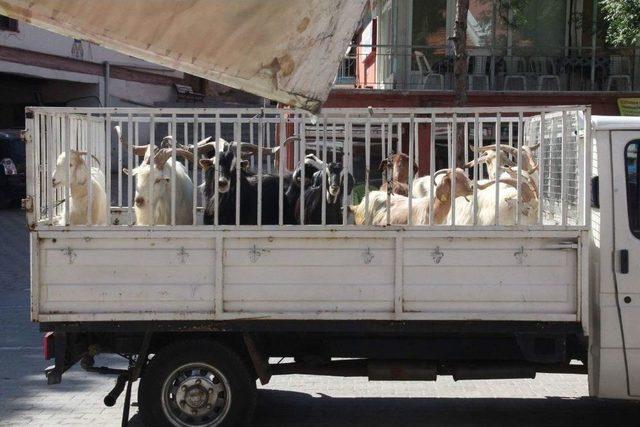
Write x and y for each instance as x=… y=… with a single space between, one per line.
x=534 y=147
x=440 y=172
x=84 y=153
x=484 y=148
x=138 y=150
x=485 y=185
x=472 y=163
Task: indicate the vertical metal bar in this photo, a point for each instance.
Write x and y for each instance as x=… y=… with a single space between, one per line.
x=367 y=167
x=283 y=158
x=399 y=141
x=34 y=179
x=194 y=171
x=466 y=141
x=152 y=168
x=323 y=216
x=185 y=138
x=398 y=289
x=174 y=133
x=50 y=164
x=87 y=139
x=519 y=165
x=411 y=150
x=416 y=143
x=587 y=153
x=301 y=157
x=454 y=165
x=432 y=165
x=382 y=142
x=563 y=183
x=253 y=159
x=237 y=136
x=119 y=171
x=296 y=131
x=477 y=135
x=390 y=135
x=216 y=171
x=541 y=171
x=317 y=136
x=107 y=166
x=334 y=147
x=260 y=137
x=67 y=149
x=270 y=157
x=130 y=165
x=345 y=166
x=498 y=138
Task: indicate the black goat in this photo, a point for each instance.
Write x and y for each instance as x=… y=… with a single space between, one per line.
x=333 y=194
x=249 y=191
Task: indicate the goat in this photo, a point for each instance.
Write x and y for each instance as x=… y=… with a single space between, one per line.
x=227 y=164
x=83 y=180
x=507 y=203
x=333 y=194
x=160 y=190
x=399 y=182
x=421 y=207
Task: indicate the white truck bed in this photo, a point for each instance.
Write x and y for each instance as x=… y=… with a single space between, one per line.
x=342 y=274
x=123 y=272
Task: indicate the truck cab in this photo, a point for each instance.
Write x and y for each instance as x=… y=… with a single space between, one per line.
x=615 y=258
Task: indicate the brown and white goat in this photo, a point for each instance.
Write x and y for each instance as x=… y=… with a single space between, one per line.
x=399 y=164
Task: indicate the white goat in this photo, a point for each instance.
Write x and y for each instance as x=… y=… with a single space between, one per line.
x=507 y=205
x=158 y=210
x=83 y=180
x=422 y=186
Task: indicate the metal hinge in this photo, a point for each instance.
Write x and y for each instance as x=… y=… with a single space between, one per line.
x=27 y=204
x=255 y=253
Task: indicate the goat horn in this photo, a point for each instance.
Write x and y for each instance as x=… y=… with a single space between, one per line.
x=84 y=153
x=184 y=153
x=472 y=163
x=485 y=185
x=138 y=150
x=440 y=172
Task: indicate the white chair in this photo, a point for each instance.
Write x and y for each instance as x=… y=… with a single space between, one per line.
x=545 y=70
x=427 y=73
x=620 y=69
x=516 y=69
x=478 y=79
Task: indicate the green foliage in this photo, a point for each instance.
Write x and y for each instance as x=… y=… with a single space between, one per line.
x=623 y=17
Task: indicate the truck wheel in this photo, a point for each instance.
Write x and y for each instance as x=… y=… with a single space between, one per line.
x=196 y=383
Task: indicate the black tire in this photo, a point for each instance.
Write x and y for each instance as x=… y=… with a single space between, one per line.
x=157 y=408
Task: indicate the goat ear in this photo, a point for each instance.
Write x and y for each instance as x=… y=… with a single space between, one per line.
x=206 y=163
x=126 y=171
x=244 y=164
x=383 y=164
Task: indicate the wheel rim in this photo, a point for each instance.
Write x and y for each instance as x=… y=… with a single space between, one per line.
x=196 y=394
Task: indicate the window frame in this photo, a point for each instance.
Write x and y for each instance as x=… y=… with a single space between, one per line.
x=636 y=142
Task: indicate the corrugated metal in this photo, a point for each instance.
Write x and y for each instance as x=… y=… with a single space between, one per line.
x=285 y=50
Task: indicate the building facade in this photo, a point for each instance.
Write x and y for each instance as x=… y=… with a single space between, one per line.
x=521 y=52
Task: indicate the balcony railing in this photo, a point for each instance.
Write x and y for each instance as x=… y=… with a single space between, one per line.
x=518 y=69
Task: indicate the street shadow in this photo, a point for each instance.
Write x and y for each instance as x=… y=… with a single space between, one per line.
x=280 y=408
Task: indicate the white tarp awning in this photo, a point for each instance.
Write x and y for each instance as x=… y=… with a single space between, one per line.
x=285 y=50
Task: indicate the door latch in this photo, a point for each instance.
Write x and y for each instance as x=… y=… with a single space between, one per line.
x=624 y=261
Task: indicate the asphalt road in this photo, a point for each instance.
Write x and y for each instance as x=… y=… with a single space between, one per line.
x=296 y=400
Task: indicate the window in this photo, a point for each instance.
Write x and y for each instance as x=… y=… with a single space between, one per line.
x=632 y=162
x=8 y=24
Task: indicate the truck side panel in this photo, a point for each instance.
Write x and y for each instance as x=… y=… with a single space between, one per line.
x=306 y=275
